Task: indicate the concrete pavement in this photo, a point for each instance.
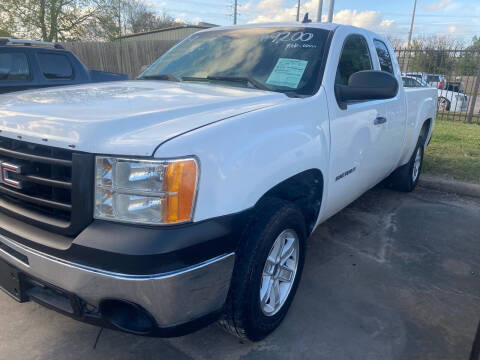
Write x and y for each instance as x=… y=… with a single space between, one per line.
x=393 y=276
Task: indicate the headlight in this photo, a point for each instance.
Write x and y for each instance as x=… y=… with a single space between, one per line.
x=145 y=191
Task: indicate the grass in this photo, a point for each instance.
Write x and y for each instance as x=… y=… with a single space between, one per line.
x=454 y=151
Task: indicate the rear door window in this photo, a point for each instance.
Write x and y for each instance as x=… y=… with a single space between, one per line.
x=55 y=66
x=355 y=57
x=383 y=56
x=14 y=66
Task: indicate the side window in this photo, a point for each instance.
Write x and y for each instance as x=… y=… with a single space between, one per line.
x=55 y=66
x=384 y=56
x=14 y=66
x=355 y=57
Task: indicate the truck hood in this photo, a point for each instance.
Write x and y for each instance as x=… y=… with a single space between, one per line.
x=123 y=118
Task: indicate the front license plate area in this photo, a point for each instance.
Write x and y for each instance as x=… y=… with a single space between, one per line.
x=11 y=282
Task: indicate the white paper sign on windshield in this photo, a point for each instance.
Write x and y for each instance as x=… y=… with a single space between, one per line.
x=287 y=72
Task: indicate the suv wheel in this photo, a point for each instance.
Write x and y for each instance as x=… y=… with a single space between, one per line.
x=267 y=272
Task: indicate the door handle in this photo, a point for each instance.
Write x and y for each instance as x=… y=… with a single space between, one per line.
x=380 y=120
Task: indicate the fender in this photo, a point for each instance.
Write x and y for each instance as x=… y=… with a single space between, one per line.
x=243 y=157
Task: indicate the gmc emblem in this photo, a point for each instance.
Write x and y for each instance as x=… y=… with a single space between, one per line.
x=6 y=170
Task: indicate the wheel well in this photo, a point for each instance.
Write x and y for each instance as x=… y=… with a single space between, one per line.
x=305 y=190
x=426 y=129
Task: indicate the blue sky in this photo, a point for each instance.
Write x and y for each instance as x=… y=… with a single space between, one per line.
x=456 y=18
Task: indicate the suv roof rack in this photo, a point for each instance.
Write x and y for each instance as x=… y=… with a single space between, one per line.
x=7 y=41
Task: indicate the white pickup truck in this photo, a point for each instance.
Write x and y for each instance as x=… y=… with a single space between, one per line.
x=159 y=205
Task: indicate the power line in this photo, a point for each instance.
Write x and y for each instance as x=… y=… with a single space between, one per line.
x=431 y=15
x=204 y=3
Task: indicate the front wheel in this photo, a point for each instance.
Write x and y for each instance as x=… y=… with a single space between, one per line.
x=406 y=177
x=267 y=272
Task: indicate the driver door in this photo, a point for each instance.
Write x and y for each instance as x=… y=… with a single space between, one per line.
x=356 y=130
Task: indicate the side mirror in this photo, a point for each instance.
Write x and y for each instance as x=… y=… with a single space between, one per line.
x=368 y=85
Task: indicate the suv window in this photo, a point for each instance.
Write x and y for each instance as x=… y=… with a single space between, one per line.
x=55 y=66
x=383 y=56
x=433 y=78
x=355 y=57
x=14 y=66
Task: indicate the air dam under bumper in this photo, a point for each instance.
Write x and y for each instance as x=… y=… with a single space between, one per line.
x=172 y=299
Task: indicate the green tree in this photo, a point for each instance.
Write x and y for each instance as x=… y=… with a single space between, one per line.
x=64 y=20
x=4 y=33
x=469 y=60
x=434 y=55
x=50 y=20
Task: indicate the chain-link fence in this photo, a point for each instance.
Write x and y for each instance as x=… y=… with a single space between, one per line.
x=456 y=74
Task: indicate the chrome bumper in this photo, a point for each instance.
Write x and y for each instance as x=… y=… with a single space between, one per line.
x=173 y=298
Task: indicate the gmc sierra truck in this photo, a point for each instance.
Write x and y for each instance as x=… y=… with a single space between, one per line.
x=159 y=205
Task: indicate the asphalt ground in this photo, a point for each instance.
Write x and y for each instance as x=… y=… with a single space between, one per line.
x=393 y=276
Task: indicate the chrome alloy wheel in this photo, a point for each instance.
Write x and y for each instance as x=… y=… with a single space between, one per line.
x=417 y=164
x=279 y=272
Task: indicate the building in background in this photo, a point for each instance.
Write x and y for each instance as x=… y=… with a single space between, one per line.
x=176 y=33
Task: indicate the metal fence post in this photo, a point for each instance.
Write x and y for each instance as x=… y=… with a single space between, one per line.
x=476 y=87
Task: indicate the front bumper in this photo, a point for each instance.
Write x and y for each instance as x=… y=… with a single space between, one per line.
x=172 y=298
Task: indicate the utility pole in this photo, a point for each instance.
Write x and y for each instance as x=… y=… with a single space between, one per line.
x=411 y=25
x=235 y=12
x=330 y=10
x=319 y=11
x=298 y=11
x=119 y=18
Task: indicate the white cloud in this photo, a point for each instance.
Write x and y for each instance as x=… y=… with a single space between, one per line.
x=275 y=11
x=452 y=29
x=181 y=18
x=439 y=5
x=372 y=20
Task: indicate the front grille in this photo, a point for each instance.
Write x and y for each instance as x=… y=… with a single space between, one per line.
x=55 y=191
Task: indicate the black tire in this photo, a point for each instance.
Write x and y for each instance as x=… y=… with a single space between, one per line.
x=243 y=315
x=402 y=179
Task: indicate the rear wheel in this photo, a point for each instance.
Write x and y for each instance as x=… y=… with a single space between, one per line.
x=267 y=272
x=406 y=177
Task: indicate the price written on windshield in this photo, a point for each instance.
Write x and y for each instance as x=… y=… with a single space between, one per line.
x=292 y=37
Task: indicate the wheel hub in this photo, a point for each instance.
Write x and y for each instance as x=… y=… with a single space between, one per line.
x=279 y=272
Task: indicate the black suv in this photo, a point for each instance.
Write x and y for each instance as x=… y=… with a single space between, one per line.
x=26 y=64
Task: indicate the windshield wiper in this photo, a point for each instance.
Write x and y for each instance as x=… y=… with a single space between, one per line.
x=166 y=77
x=242 y=79
x=194 y=78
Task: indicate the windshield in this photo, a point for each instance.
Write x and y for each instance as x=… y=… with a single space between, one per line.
x=277 y=59
x=433 y=78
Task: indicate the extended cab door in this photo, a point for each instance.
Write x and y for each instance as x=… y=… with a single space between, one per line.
x=358 y=130
x=393 y=136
